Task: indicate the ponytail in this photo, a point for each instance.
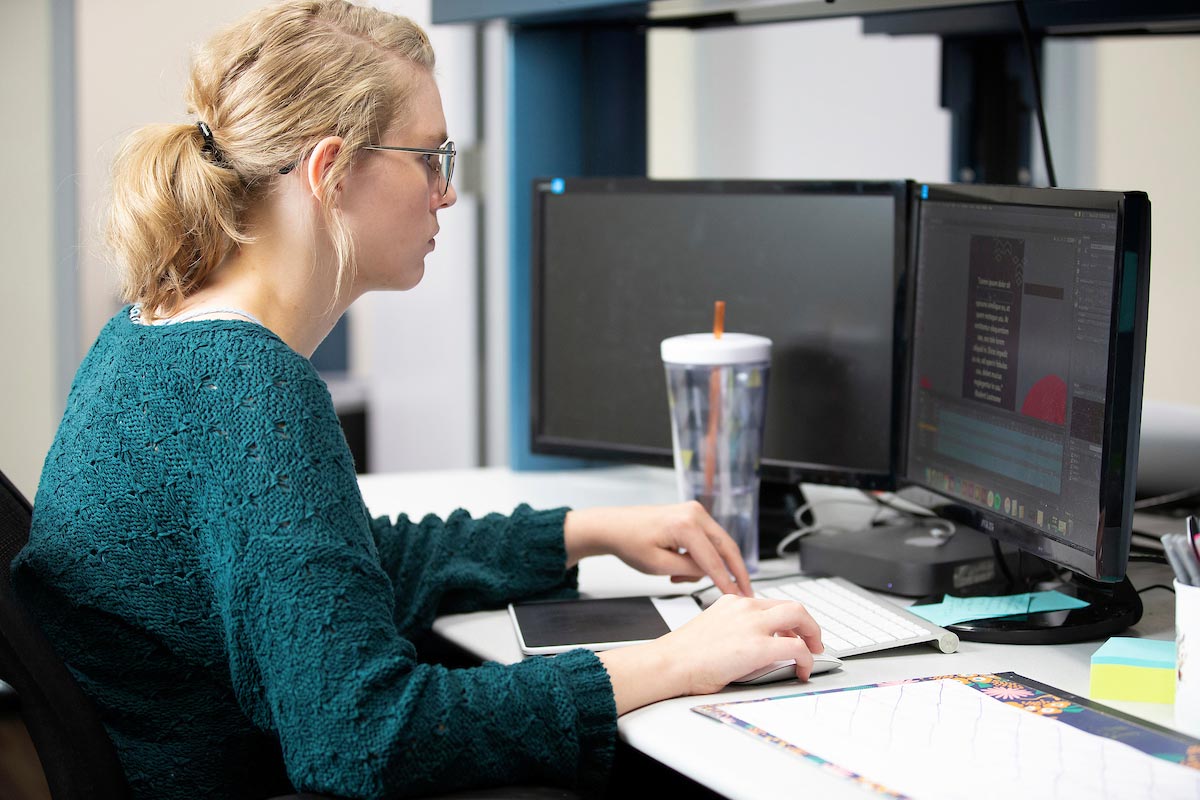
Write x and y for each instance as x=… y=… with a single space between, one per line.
x=174 y=215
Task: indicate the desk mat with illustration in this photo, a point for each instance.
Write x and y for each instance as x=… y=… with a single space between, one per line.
x=929 y=737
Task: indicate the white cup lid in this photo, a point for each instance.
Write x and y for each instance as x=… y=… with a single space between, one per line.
x=704 y=348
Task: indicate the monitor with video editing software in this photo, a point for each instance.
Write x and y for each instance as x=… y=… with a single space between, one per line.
x=816 y=266
x=1023 y=397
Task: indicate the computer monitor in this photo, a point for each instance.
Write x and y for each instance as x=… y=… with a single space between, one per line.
x=1024 y=388
x=621 y=264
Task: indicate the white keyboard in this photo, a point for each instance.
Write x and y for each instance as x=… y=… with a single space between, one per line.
x=854 y=621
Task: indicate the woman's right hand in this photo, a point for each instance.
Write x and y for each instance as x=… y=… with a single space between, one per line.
x=732 y=638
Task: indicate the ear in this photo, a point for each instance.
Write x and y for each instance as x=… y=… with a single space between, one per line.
x=320 y=161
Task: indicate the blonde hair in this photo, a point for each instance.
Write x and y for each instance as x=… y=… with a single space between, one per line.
x=269 y=88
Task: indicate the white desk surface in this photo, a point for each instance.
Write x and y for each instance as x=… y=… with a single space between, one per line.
x=715 y=755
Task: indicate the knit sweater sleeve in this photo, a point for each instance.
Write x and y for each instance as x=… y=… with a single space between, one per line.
x=463 y=564
x=315 y=653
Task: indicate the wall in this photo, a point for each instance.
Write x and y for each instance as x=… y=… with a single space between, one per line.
x=1122 y=114
x=416 y=351
x=494 y=134
x=1147 y=127
x=796 y=100
x=28 y=316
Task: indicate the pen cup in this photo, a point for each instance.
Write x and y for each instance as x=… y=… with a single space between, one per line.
x=1187 y=658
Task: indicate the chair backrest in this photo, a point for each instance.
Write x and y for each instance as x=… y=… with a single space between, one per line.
x=77 y=756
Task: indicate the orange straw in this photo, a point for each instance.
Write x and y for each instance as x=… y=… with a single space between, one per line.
x=714 y=402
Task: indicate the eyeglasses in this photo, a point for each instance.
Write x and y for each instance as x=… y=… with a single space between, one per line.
x=440 y=160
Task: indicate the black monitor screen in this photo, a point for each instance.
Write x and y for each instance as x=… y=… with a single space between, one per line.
x=619 y=265
x=1021 y=403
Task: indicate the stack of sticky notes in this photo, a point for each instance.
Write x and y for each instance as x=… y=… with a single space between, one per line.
x=1141 y=670
x=953 y=610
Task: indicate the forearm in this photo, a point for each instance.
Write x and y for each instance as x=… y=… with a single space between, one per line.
x=642 y=674
x=462 y=564
x=584 y=533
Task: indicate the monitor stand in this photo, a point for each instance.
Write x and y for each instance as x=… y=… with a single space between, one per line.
x=898 y=559
x=1113 y=607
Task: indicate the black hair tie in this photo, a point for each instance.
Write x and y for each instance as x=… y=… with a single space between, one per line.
x=210 y=147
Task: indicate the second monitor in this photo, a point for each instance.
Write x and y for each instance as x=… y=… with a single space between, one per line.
x=816 y=266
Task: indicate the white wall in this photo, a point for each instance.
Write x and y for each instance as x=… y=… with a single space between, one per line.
x=1122 y=114
x=30 y=406
x=416 y=350
x=494 y=132
x=814 y=99
x=1147 y=129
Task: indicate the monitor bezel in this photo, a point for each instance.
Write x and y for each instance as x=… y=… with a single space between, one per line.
x=773 y=470
x=1126 y=365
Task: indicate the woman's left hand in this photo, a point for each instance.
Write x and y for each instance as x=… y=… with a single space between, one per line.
x=680 y=540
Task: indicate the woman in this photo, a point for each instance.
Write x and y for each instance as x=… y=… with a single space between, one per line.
x=200 y=551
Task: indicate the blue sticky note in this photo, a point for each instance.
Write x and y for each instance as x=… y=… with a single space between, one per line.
x=938 y=614
x=965 y=609
x=987 y=607
x=1132 y=652
x=1053 y=601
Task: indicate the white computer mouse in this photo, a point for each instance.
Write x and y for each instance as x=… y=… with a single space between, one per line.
x=786 y=670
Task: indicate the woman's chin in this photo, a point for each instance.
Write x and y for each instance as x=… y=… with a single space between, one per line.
x=398 y=280
x=409 y=281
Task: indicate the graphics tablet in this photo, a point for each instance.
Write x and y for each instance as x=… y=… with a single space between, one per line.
x=556 y=626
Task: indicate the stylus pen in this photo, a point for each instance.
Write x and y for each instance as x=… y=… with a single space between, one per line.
x=1184 y=547
x=1194 y=533
x=1173 y=559
x=1179 y=554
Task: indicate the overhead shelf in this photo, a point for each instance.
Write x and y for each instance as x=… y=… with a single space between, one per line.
x=947 y=17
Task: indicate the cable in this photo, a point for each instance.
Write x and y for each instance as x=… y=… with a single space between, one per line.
x=909 y=513
x=1157 y=586
x=798 y=514
x=1027 y=38
x=781 y=549
x=937 y=527
x=804 y=529
x=1155 y=548
x=1148 y=558
x=1157 y=501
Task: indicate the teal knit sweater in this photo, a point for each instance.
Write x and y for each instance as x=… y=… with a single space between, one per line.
x=202 y=559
